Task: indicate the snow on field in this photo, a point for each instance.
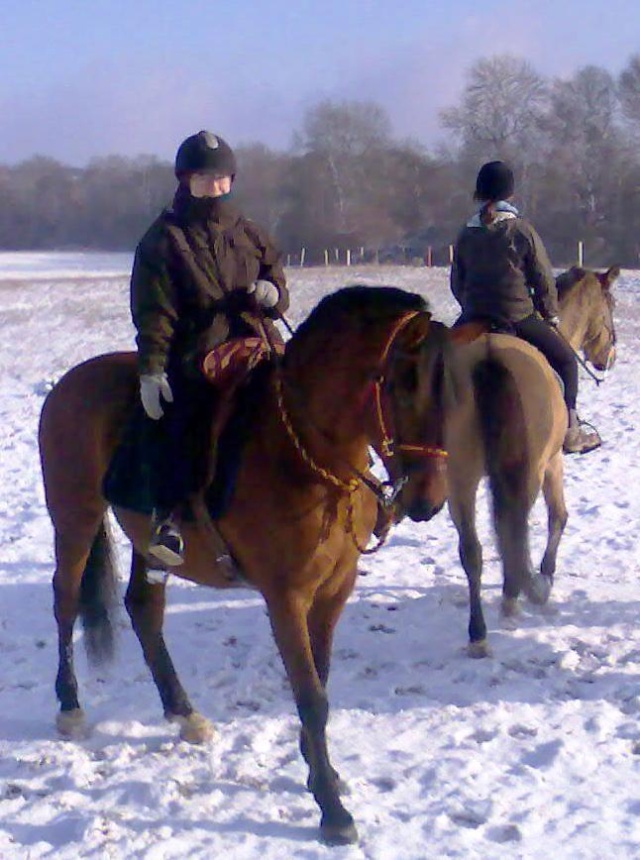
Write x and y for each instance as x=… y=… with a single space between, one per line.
x=534 y=752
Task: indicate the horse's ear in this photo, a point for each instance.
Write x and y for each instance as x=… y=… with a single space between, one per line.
x=608 y=277
x=416 y=331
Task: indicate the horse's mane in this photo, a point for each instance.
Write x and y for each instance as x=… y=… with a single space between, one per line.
x=363 y=303
x=568 y=279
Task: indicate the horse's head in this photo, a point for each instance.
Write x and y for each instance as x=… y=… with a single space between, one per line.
x=380 y=352
x=586 y=311
x=410 y=415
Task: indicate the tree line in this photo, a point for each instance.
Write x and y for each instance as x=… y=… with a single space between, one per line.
x=347 y=182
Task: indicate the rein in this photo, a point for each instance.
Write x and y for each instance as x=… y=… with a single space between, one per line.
x=583 y=364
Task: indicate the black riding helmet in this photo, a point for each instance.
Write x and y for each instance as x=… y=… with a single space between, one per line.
x=205 y=152
x=495 y=182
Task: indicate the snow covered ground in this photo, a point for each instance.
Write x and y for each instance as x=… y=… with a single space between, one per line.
x=534 y=752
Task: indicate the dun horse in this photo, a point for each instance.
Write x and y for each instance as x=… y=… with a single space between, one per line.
x=367 y=367
x=510 y=425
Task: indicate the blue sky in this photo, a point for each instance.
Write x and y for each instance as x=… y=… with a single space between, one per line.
x=85 y=78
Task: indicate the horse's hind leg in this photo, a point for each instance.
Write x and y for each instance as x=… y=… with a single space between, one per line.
x=145 y=604
x=72 y=553
x=553 y=490
x=512 y=532
x=289 y=623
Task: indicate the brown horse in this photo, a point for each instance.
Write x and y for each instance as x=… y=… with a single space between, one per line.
x=368 y=367
x=510 y=424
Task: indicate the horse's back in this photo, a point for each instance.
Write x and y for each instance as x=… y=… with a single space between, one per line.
x=80 y=424
x=538 y=392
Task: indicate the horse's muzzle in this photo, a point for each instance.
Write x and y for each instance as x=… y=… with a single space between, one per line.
x=421 y=511
x=604 y=364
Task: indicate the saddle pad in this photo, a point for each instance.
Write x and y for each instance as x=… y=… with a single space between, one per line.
x=230 y=362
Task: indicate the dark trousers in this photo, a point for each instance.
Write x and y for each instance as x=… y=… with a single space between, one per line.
x=177 y=444
x=556 y=350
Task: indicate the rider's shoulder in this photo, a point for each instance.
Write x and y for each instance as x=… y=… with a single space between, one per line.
x=156 y=236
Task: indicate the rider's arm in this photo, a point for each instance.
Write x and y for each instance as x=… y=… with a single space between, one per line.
x=271 y=268
x=456 y=277
x=539 y=275
x=153 y=307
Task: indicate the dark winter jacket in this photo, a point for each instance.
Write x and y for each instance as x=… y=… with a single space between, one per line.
x=501 y=271
x=189 y=282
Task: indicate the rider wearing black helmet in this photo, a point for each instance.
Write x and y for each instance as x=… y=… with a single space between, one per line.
x=202 y=273
x=501 y=274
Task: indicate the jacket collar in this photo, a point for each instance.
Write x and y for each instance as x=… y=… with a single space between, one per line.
x=504 y=212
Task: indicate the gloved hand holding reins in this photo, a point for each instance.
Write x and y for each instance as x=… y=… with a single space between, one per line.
x=265 y=293
x=154 y=386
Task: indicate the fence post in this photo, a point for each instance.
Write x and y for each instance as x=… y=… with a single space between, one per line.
x=336 y=252
x=348 y=256
x=288 y=259
x=302 y=253
x=580 y=252
x=326 y=257
x=428 y=260
x=450 y=255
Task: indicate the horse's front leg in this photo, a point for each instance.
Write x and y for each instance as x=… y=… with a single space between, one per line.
x=288 y=615
x=145 y=604
x=322 y=619
x=462 y=510
x=553 y=491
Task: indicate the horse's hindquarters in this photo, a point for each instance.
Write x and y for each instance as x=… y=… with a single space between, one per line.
x=81 y=422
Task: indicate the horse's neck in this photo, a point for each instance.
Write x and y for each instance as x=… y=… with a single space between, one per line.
x=326 y=404
x=574 y=317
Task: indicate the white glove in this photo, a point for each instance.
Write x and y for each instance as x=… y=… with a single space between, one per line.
x=554 y=321
x=152 y=387
x=266 y=293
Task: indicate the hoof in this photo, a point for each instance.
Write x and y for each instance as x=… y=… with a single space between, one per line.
x=72 y=725
x=195 y=729
x=339 y=834
x=478 y=649
x=539 y=589
x=510 y=608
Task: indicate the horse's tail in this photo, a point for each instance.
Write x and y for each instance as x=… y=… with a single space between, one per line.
x=504 y=432
x=98 y=593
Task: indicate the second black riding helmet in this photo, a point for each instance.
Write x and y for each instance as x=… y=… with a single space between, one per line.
x=205 y=152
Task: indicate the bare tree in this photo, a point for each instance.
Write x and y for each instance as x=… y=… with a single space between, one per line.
x=585 y=165
x=500 y=109
x=629 y=91
x=348 y=137
x=261 y=177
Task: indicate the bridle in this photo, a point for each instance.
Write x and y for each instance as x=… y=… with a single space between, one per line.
x=611 y=351
x=388 y=444
x=387 y=491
